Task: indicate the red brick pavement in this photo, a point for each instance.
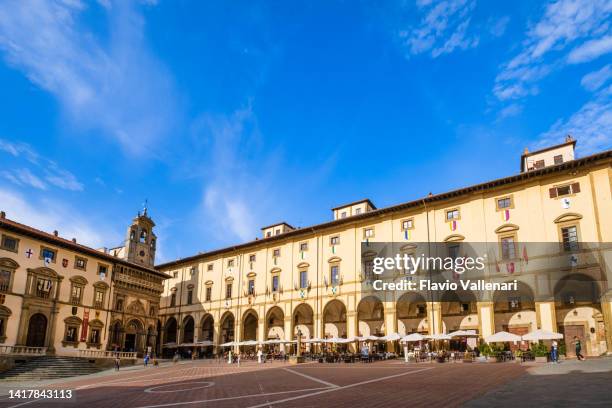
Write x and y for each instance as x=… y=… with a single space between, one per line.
x=384 y=384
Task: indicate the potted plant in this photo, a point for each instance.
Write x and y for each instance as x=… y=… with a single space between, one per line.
x=540 y=351
x=485 y=352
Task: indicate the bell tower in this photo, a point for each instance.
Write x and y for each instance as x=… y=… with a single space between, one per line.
x=141 y=241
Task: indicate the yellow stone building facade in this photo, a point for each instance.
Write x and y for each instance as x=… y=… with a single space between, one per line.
x=60 y=297
x=310 y=278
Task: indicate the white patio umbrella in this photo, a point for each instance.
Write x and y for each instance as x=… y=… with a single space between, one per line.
x=412 y=338
x=463 y=333
x=541 y=334
x=339 y=340
x=502 y=337
x=248 y=343
x=313 y=340
x=391 y=337
x=230 y=344
x=204 y=343
x=368 y=338
x=439 y=336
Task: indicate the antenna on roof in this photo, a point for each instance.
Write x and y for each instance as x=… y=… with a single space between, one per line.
x=144 y=205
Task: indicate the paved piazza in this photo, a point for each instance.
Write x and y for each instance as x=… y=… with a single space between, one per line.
x=383 y=384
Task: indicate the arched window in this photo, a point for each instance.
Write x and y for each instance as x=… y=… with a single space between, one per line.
x=143 y=236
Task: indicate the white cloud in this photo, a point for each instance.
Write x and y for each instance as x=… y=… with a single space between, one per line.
x=53 y=174
x=590 y=50
x=498 y=26
x=578 y=24
x=596 y=79
x=114 y=86
x=510 y=111
x=49 y=215
x=443 y=29
x=591 y=126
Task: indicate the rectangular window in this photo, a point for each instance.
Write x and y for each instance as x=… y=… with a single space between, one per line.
x=80 y=263
x=175 y=274
x=569 y=236
x=71 y=334
x=538 y=164
x=252 y=258
x=334 y=275
x=334 y=240
x=558 y=159
x=102 y=270
x=228 y=291
x=303 y=279
x=275 y=283
x=453 y=250
x=209 y=267
x=172 y=300
x=368 y=232
x=9 y=243
x=5 y=280
x=277 y=232
x=192 y=270
x=368 y=269
x=357 y=211
x=95 y=336
x=230 y=263
x=508 y=248
x=46 y=253
x=421 y=310
x=208 y=293
x=407 y=224
x=268 y=234
x=251 y=287
x=514 y=303
x=119 y=303
x=43 y=287
x=276 y=253
x=561 y=191
x=452 y=215
x=503 y=203
x=189 y=296
x=99 y=299
x=304 y=246
x=343 y=214
x=75 y=296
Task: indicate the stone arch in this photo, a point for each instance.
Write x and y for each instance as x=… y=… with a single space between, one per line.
x=170 y=329
x=371 y=316
x=515 y=310
x=79 y=280
x=188 y=329
x=459 y=310
x=303 y=321
x=207 y=327
x=275 y=324
x=334 y=319
x=228 y=322
x=250 y=325
x=411 y=311
x=8 y=263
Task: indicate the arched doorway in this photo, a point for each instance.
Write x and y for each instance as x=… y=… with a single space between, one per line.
x=515 y=311
x=207 y=332
x=188 y=329
x=411 y=311
x=334 y=319
x=249 y=325
x=227 y=328
x=303 y=322
x=371 y=317
x=459 y=311
x=37 y=330
x=275 y=324
x=578 y=312
x=134 y=334
x=170 y=331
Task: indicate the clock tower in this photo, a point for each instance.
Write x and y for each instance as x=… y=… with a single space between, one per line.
x=141 y=241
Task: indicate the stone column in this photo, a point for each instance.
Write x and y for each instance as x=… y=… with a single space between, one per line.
x=545 y=316
x=216 y=336
x=606 y=308
x=486 y=318
x=391 y=325
x=434 y=317
x=352 y=327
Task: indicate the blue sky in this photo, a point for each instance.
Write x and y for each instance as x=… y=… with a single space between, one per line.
x=228 y=116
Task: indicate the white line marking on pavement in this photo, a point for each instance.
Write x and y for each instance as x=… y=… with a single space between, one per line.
x=311 y=378
x=339 y=388
x=172 y=404
x=155 y=389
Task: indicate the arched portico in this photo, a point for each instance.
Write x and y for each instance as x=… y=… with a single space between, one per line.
x=371 y=317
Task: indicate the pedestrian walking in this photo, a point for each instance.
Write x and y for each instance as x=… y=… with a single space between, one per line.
x=578 y=345
x=554 y=352
x=117 y=363
x=146 y=360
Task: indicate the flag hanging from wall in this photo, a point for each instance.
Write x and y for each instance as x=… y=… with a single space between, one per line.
x=506 y=215
x=406 y=235
x=453 y=225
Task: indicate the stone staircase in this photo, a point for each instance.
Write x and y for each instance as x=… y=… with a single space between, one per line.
x=50 y=367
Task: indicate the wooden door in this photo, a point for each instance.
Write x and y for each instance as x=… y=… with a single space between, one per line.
x=569 y=331
x=519 y=331
x=37 y=330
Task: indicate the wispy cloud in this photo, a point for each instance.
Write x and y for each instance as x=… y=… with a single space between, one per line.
x=52 y=173
x=569 y=31
x=591 y=125
x=443 y=29
x=49 y=215
x=596 y=79
x=114 y=86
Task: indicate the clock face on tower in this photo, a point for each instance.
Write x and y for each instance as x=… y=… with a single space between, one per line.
x=142 y=253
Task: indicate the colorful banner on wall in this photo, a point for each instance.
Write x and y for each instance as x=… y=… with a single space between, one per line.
x=85 y=325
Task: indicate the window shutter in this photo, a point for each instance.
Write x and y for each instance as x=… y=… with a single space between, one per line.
x=553 y=192
x=575 y=188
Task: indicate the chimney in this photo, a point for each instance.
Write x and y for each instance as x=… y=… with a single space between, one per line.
x=2 y=214
x=526 y=151
x=55 y=233
x=74 y=240
x=569 y=138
